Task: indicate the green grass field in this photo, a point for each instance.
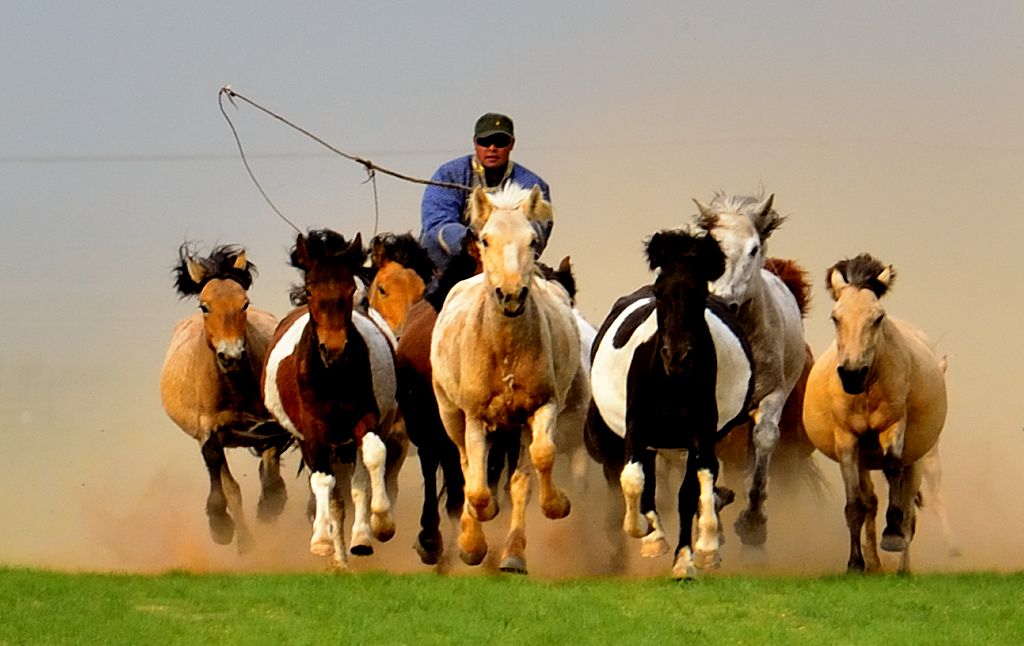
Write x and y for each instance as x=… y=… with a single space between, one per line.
x=43 y=607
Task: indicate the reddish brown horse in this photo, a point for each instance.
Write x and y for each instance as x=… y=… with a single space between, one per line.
x=209 y=384
x=402 y=270
x=330 y=380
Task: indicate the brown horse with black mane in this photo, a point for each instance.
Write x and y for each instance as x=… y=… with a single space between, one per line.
x=330 y=380
x=209 y=385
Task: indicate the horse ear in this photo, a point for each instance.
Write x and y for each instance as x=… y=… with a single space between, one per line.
x=240 y=263
x=538 y=209
x=705 y=216
x=377 y=251
x=766 y=219
x=836 y=282
x=357 y=243
x=301 y=255
x=886 y=276
x=480 y=208
x=196 y=271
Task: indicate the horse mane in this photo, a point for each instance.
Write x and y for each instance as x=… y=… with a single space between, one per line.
x=219 y=264
x=682 y=246
x=724 y=203
x=403 y=249
x=463 y=265
x=862 y=272
x=326 y=245
x=795 y=278
x=512 y=195
x=563 y=275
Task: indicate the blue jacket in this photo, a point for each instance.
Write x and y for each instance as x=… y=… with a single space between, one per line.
x=443 y=214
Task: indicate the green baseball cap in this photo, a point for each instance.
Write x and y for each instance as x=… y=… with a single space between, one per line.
x=493 y=123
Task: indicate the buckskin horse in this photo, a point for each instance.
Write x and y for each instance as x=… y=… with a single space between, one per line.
x=876 y=400
x=209 y=385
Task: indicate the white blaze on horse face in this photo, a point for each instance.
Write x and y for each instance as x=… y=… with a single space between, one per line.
x=857 y=315
x=508 y=250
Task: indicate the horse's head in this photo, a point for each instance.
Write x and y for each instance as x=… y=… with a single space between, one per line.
x=329 y=265
x=220 y=281
x=508 y=241
x=741 y=225
x=403 y=269
x=685 y=263
x=857 y=286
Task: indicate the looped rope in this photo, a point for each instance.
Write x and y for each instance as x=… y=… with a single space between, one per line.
x=371 y=167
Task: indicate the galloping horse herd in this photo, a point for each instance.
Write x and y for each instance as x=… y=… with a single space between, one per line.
x=490 y=371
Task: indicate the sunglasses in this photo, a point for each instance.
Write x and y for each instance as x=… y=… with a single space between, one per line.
x=498 y=141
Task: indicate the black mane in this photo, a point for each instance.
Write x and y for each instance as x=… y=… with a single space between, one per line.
x=862 y=272
x=325 y=245
x=219 y=264
x=460 y=267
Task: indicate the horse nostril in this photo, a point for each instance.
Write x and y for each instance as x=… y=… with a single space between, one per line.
x=734 y=307
x=523 y=293
x=500 y=294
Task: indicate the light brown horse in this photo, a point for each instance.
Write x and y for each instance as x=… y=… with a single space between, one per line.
x=209 y=385
x=402 y=270
x=505 y=354
x=876 y=399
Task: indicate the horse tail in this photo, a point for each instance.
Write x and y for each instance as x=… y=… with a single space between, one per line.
x=795 y=278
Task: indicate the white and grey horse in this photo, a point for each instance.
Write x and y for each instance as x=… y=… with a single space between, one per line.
x=770 y=318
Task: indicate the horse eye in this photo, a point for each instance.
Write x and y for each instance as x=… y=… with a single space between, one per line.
x=245 y=306
x=204 y=308
x=381 y=290
x=753 y=251
x=878 y=320
x=534 y=243
x=835 y=319
x=483 y=242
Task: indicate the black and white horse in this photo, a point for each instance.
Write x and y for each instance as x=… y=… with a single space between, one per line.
x=670 y=371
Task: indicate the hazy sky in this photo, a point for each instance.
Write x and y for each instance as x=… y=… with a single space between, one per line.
x=893 y=128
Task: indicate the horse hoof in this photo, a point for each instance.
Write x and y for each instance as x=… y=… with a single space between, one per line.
x=321 y=548
x=513 y=564
x=222 y=529
x=364 y=549
x=383 y=527
x=429 y=546
x=472 y=558
x=683 y=570
x=892 y=542
x=272 y=504
x=707 y=560
x=654 y=549
x=558 y=508
x=752 y=528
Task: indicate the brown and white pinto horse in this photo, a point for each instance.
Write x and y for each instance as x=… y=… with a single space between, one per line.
x=876 y=399
x=330 y=380
x=209 y=384
x=505 y=355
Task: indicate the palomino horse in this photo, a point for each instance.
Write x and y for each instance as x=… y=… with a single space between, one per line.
x=330 y=380
x=505 y=354
x=876 y=399
x=770 y=317
x=402 y=270
x=210 y=384
x=670 y=371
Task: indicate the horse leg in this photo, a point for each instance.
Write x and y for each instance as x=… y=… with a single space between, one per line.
x=855 y=510
x=222 y=527
x=900 y=519
x=234 y=495
x=872 y=563
x=327 y=539
x=654 y=544
x=374 y=458
x=553 y=501
x=513 y=557
x=429 y=544
x=689 y=492
x=752 y=524
x=706 y=554
x=273 y=493
x=360 y=486
x=472 y=543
